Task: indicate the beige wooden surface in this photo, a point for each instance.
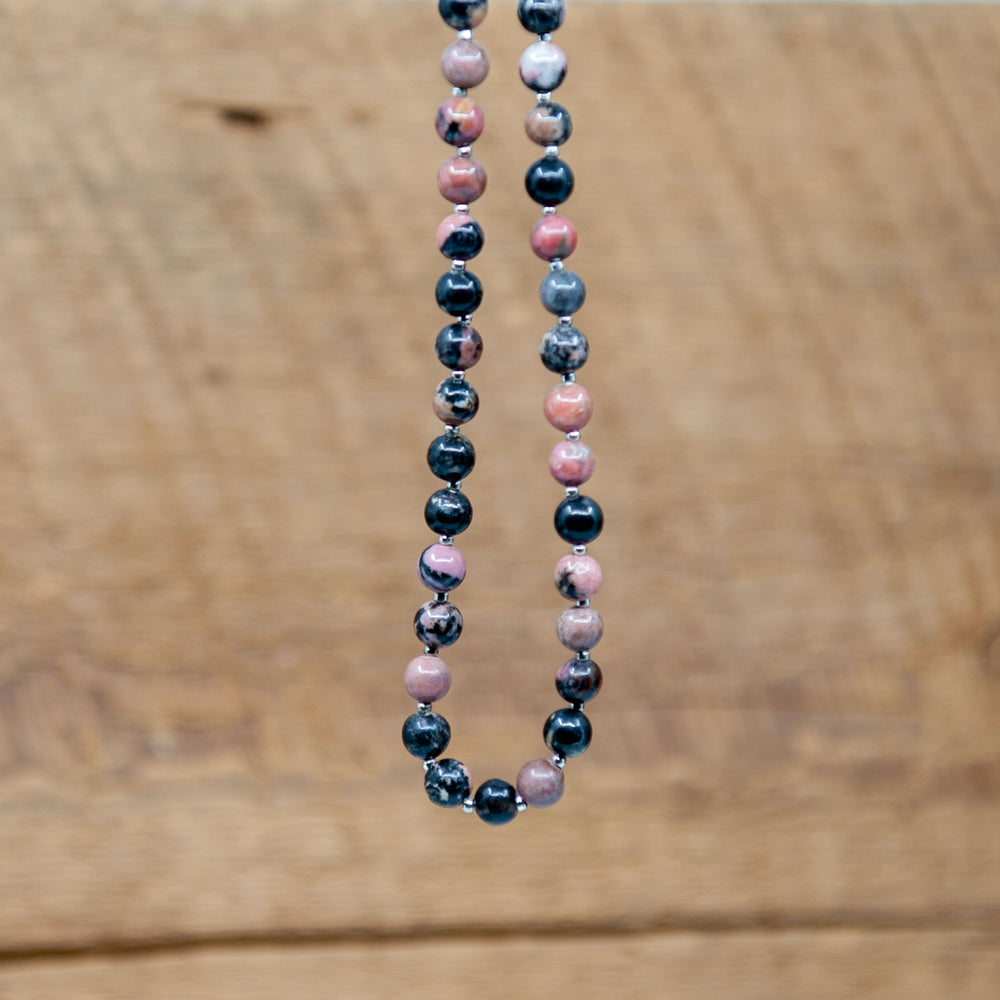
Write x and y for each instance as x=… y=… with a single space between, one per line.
x=216 y=265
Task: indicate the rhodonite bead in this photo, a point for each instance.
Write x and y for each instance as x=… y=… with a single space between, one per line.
x=459 y=121
x=567 y=732
x=448 y=512
x=461 y=179
x=541 y=16
x=426 y=734
x=465 y=64
x=580 y=628
x=578 y=578
x=548 y=124
x=540 y=783
x=543 y=66
x=562 y=292
x=564 y=349
x=441 y=568
x=447 y=783
x=553 y=237
x=463 y=14
x=427 y=678
x=455 y=402
x=578 y=680
x=451 y=457
x=549 y=181
x=571 y=463
x=459 y=346
x=496 y=802
x=460 y=237
x=459 y=292
x=438 y=624
x=579 y=520
x=568 y=407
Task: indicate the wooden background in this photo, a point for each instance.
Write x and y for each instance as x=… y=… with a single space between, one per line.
x=216 y=265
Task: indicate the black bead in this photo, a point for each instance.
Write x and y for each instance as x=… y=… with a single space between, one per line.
x=564 y=349
x=567 y=732
x=447 y=783
x=562 y=292
x=495 y=802
x=579 y=520
x=448 y=512
x=426 y=734
x=451 y=457
x=541 y=16
x=437 y=624
x=549 y=181
x=459 y=346
x=465 y=241
x=578 y=680
x=459 y=292
x=462 y=14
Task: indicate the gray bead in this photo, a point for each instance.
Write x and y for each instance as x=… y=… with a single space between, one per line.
x=562 y=292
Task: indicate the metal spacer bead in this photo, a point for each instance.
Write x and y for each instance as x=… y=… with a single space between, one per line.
x=458 y=92
x=445 y=539
x=584 y=654
x=569 y=377
x=545 y=97
x=552 y=151
x=549 y=210
x=423 y=707
x=464 y=151
x=572 y=435
x=572 y=491
x=577 y=706
x=559 y=761
x=566 y=320
x=556 y=265
x=520 y=803
x=458 y=265
x=579 y=550
x=428 y=764
x=468 y=806
x=455 y=484
x=458 y=376
x=546 y=37
x=461 y=209
x=585 y=603
x=428 y=651
x=451 y=430
x=465 y=35
x=441 y=595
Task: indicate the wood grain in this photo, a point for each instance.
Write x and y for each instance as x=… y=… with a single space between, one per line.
x=216 y=243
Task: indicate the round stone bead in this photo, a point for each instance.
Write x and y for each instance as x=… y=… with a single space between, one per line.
x=541 y=16
x=540 y=783
x=447 y=783
x=459 y=292
x=448 y=512
x=459 y=346
x=548 y=124
x=427 y=678
x=463 y=14
x=459 y=121
x=543 y=66
x=567 y=732
x=460 y=237
x=438 y=624
x=495 y=802
x=564 y=349
x=579 y=520
x=451 y=457
x=579 y=629
x=571 y=463
x=549 y=181
x=465 y=64
x=441 y=568
x=562 y=292
x=426 y=734
x=553 y=237
x=568 y=407
x=578 y=578
x=578 y=680
x=462 y=179
x=455 y=402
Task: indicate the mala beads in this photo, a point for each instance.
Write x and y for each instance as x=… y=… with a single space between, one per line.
x=567 y=407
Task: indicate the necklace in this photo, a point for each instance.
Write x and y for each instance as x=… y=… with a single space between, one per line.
x=567 y=407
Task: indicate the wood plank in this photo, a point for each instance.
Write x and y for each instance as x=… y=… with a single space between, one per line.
x=836 y=965
x=214 y=389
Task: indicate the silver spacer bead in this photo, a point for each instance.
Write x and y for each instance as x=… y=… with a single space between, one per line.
x=441 y=595
x=585 y=603
x=572 y=491
x=572 y=435
x=579 y=550
x=455 y=484
x=545 y=97
x=464 y=151
x=461 y=209
x=428 y=651
x=465 y=35
x=520 y=803
x=549 y=210
x=569 y=377
x=566 y=320
x=423 y=707
x=428 y=764
x=458 y=376
x=559 y=761
x=445 y=539
x=450 y=430
x=551 y=151
x=458 y=92
x=458 y=265
x=556 y=265
x=545 y=37
x=584 y=654
x=468 y=806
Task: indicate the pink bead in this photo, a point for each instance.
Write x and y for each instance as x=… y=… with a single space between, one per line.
x=580 y=628
x=459 y=121
x=427 y=678
x=578 y=578
x=465 y=64
x=441 y=568
x=571 y=463
x=553 y=237
x=462 y=179
x=540 y=783
x=568 y=407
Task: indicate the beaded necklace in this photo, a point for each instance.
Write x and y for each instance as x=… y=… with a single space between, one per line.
x=567 y=407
